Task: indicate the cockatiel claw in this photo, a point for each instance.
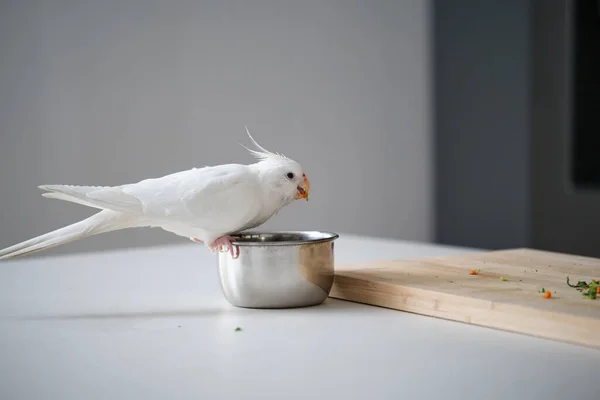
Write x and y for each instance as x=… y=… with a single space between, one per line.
x=223 y=244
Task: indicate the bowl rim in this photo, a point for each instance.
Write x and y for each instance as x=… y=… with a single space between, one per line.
x=326 y=236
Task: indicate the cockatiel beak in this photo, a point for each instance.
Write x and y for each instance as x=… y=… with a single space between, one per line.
x=303 y=189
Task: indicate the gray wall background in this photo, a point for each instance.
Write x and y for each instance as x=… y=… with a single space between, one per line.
x=112 y=92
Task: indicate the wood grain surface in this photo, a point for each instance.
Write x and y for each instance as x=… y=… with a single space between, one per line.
x=442 y=287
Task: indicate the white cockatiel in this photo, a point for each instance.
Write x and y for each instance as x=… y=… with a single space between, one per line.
x=205 y=204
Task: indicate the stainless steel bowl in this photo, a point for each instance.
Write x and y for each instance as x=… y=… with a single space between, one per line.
x=278 y=269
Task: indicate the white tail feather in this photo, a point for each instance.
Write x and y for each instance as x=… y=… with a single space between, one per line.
x=104 y=221
x=102 y=197
x=66 y=197
x=74 y=194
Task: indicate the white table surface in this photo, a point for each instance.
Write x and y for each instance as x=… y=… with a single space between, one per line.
x=153 y=324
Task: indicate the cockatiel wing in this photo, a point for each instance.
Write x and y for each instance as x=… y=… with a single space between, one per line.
x=221 y=198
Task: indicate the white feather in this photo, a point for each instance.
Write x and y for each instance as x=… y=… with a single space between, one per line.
x=102 y=222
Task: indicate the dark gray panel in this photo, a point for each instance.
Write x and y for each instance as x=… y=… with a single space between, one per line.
x=563 y=219
x=481 y=78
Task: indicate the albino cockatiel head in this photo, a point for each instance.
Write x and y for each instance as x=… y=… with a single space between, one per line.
x=282 y=174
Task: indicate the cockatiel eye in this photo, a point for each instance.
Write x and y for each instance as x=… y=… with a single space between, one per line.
x=290 y=175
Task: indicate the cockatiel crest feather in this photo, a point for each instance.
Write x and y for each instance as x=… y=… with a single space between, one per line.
x=263 y=154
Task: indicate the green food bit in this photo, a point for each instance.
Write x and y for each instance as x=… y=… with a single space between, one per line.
x=503 y=278
x=580 y=284
x=542 y=290
x=592 y=291
x=589 y=290
x=238 y=329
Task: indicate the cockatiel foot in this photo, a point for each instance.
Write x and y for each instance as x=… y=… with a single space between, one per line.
x=224 y=244
x=221 y=242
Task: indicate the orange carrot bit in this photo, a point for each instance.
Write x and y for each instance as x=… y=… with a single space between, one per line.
x=547 y=295
x=598 y=290
x=473 y=272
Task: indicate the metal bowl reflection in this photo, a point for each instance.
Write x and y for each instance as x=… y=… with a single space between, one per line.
x=278 y=269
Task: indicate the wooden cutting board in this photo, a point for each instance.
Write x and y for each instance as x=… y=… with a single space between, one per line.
x=443 y=287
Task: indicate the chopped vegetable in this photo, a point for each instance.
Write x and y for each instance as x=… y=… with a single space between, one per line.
x=238 y=329
x=580 y=284
x=547 y=295
x=542 y=290
x=473 y=272
x=503 y=278
x=590 y=290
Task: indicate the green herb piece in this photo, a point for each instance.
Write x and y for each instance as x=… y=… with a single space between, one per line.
x=542 y=290
x=592 y=291
x=238 y=329
x=503 y=278
x=587 y=290
x=580 y=284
